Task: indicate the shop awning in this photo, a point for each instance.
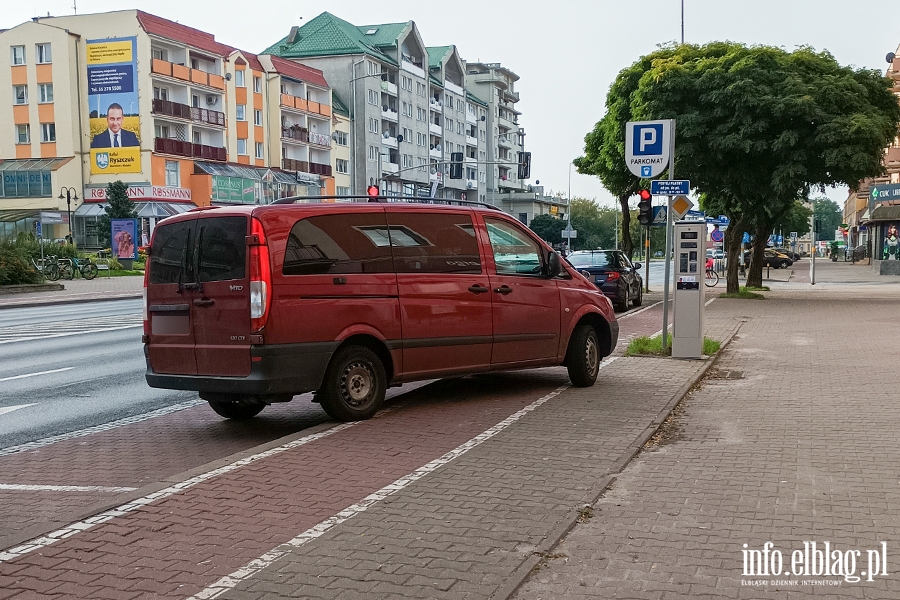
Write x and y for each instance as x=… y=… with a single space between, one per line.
x=885 y=213
x=33 y=164
x=151 y=210
x=11 y=216
x=247 y=172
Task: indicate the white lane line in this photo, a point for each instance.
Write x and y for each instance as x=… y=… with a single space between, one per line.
x=63 y=488
x=639 y=311
x=99 y=428
x=35 y=375
x=68 y=333
x=231 y=581
x=9 y=409
x=70 y=530
x=708 y=302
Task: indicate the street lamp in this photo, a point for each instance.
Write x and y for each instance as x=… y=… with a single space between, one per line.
x=68 y=194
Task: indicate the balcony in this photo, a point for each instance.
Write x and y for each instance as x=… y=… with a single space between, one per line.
x=389 y=167
x=289 y=164
x=389 y=115
x=295 y=134
x=471 y=184
x=449 y=85
x=435 y=153
x=170 y=109
x=504 y=141
x=390 y=88
x=209 y=117
x=187 y=149
x=471 y=141
x=188 y=75
x=320 y=139
x=471 y=160
x=435 y=129
x=471 y=118
x=319 y=169
x=435 y=105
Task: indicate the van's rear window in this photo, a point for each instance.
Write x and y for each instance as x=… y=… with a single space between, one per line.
x=339 y=243
x=213 y=248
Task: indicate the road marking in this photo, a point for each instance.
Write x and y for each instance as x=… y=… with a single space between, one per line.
x=41 y=331
x=64 y=488
x=99 y=428
x=56 y=335
x=231 y=581
x=639 y=311
x=35 y=375
x=9 y=409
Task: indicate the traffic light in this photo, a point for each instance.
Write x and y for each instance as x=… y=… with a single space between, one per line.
x=645 y=208
x=524 y=165
x=456 y=164
x=372 y=192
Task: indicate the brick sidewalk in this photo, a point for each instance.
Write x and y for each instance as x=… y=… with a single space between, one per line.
x=792 y=440
x=79 y=290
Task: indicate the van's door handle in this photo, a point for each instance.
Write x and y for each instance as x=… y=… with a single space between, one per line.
x=204 y=302
x=503 y=289
x=477 y=289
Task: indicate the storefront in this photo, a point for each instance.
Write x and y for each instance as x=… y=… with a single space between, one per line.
x=884 y=225
x=239 y=184
x=26 y=188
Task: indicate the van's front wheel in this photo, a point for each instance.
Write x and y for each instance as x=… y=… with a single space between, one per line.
x=236 y=407
x=583 y=362
x=354 y=384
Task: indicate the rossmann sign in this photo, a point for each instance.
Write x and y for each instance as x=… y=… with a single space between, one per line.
x=143 y=193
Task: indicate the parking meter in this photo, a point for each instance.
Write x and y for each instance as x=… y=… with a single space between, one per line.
x=690 y=295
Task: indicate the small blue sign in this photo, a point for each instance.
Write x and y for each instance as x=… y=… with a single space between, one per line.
x=38 y=229
x=659 y=216
x=746 y=238
x=672 y=187
x=648 y=140
x=647 y=171
x=725 y=220
x=717 y=235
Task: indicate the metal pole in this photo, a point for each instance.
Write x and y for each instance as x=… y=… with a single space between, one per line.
x=814 y=249
x=665 y=326
x=647 y=260
x=682 y=33
x=617 y=224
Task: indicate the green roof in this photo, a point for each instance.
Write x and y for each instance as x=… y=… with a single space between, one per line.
x=473 y=98
x=434 y=80
x=328 y=35
x=436 y=55
x=338 y=106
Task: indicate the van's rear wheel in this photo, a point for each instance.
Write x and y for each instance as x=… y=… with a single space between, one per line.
x=583 y=361
x=237 y=407
x=354 y=384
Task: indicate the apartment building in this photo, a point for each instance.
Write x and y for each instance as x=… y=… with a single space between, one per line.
x=408 y=103
x=180 y=117
x=340 y=156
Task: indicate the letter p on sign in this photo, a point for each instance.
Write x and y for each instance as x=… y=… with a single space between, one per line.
x=648 y=140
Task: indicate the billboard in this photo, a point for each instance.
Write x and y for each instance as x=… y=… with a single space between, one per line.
x=123 y=236
x=113 y=105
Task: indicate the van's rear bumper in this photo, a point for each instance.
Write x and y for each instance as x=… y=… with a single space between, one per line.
x=281 y=369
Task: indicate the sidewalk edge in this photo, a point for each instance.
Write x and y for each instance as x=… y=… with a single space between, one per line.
x=57 y=302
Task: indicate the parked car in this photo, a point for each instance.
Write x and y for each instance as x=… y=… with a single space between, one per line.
x=772 y=259
x=715 y=253
x=612 y=273
x=794 y=256
x=256 y=304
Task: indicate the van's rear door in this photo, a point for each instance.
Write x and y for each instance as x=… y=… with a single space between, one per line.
x=169 y=299
x=220 y=309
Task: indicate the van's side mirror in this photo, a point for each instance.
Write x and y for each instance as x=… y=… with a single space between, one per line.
x=553 y=265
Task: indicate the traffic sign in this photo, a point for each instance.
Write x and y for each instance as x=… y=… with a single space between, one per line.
x=647 y=147
x=670 y=187
x=681 y=205
x=570 y=233
x=793 y=236
x=659 y=216
x=717 y=235
x=38 y=230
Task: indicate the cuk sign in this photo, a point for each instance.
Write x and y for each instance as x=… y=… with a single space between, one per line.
x=647 y=147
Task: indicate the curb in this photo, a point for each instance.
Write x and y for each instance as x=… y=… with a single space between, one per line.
x=35 y=302
x=521 y=573
x=25 y=288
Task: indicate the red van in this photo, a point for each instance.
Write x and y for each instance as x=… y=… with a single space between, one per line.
x=253 y=305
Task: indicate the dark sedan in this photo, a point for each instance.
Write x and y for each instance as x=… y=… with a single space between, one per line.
x=612 y=273
x=773 y=259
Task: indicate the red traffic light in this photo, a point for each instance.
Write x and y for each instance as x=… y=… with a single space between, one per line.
x=372 y=190
x=645 y=195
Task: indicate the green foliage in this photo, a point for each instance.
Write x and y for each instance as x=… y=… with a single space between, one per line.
x=549 y=228
x=118 y=206
x=744 y=293
x=15 y=265
x=596 y=225
x=795 y=219
x=32 y=248
x=653 y=346
x=829 y=215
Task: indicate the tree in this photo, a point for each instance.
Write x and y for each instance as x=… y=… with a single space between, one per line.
x=829 y=215
x=549 y=228
x=118 y=206
x=757 y=127
x=596 y=226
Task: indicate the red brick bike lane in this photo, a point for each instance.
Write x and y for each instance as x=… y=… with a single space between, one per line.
x=176 y=546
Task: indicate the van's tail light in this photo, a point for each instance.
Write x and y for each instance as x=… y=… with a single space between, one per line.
x=612 y=276
x=144 y=296
x=260 y=277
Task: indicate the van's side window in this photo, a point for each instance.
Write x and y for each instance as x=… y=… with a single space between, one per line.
x=223 y=248
x=515 y=253
x=434 y=243
x=338 y=243
x=171 y=261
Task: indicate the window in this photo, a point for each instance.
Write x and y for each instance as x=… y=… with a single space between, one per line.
x=222 y=255
x=523 y=218
x=406 y=82
x=515 y=253
x=197 y=137
x=241 y=112
x=161 y=131
x=257 y=85
x=239 y=78
x=43 y=54
x=341 y=166
x=159 y=54
x=48 y=132
x=407 y=135
x=407 y=109
x=45 y=92
x=420 y=114
x=341 y=138
x=449 y=99
x=172 y=175
x=342 y=191
x=20 y=94
x=160 y=93
x=336 y=244
x=373 y=125
x=195 y=101
x=242 y=147
x=433 y=243
x=23 y=134
x=421 y=139
x=259 y=150
x=257 y=117
x=195 y=64
x=372 y=68
x=372 y=97
x=18 y=55
x=449 y=125
x=373 y=153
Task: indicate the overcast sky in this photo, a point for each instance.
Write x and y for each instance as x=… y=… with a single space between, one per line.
x=567 y=52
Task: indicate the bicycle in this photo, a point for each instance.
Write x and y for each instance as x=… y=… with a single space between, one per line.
x=712 y=278
x=66 y=270
x=86 y=267
x=47 y=267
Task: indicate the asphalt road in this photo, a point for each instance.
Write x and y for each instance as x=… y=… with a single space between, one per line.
x=66 y=368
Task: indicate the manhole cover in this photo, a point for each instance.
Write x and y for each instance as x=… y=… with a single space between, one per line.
x=730 y=375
